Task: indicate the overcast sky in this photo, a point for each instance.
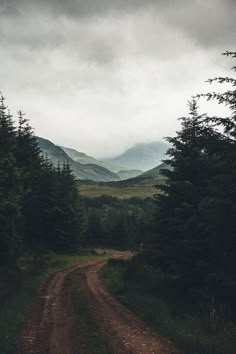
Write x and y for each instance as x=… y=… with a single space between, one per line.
x=101 y=75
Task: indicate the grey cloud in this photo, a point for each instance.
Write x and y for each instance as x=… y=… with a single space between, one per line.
x=107 y=66
x=81 y=8
x=209 y=23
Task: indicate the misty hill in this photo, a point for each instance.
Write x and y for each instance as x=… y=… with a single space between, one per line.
x=81 y=171
x=143 y=156
x=143 y=186
x=83 y=159
x=127 y=174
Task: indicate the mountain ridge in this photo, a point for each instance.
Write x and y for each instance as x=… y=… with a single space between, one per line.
x=86 y=167
x=84 y=159
x=142 y=156
x=85 y=172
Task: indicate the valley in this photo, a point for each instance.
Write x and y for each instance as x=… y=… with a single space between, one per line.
x=87 y=168
x=143 y=186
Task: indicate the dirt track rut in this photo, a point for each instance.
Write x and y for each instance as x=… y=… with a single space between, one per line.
x=50 y=328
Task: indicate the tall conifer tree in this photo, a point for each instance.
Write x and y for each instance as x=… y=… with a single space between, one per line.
x=9 y=188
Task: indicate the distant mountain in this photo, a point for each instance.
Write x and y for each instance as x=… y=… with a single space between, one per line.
x=88 y=171
x=127 y=174
x=142 y=156
x=85 y=159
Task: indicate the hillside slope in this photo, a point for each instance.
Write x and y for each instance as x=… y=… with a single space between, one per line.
x=85 y=159
x=85 y=172
x=156 y=171
x=142 y=156
x=127 y=174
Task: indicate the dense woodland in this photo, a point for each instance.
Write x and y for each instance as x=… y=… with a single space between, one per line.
x=38 y=202
x=117 y=223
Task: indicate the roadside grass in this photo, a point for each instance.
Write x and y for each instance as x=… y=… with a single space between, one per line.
x=89 y=337
x=18 y=289
x=189 y=332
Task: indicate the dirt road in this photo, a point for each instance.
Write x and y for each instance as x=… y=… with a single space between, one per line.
x=50 y=328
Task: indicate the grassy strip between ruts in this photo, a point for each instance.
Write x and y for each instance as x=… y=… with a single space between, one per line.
x=88 y=335
x=21 y=289
x=188 y=332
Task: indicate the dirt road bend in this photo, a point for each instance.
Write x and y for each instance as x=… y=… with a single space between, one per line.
x=50 y=328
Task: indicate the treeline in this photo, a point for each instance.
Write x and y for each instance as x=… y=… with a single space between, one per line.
x=194 y=245
x=117 y=223
x=38 y=202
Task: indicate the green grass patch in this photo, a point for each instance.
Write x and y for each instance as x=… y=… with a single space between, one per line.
x=18 y=289
x=132 y=188
x=190 y=333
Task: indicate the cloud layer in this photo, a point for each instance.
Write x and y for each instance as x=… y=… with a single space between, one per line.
x=101 y=75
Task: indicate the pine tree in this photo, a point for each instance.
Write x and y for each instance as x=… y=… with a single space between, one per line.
x=9 y=189
x=194 y=243
x=180 y=246
x=29 y=165
x=220 y=201
x=67 y=216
